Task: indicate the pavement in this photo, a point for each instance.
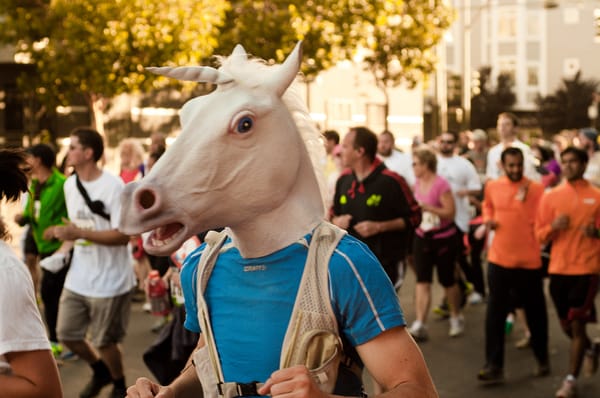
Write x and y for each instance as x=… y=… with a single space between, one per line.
x=453 y=362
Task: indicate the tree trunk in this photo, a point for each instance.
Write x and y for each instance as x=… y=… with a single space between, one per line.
x=96 y=106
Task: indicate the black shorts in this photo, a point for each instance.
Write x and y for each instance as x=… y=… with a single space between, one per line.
x=573 y=297
x=30 y=246
x=441 y=253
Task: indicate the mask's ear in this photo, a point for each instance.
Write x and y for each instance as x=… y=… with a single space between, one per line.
x=239 y=55
x=287 y=72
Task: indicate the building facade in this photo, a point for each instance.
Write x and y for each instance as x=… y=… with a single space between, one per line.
x=537 y=42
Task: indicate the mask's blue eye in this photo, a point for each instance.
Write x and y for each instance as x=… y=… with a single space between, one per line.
x=245 y=124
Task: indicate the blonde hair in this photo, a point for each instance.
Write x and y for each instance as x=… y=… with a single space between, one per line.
x=426 y=156
x=132 y=152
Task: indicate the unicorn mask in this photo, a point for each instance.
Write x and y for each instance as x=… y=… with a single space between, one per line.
x=240 y=161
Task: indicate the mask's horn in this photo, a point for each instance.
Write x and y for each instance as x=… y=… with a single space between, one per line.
x=204 y=74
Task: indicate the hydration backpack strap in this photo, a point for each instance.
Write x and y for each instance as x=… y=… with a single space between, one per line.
x=214 y=242
x=313 y=320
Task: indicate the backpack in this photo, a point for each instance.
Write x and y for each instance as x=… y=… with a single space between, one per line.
x=312 y=337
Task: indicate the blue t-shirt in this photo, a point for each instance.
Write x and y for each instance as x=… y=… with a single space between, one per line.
x=250 y=302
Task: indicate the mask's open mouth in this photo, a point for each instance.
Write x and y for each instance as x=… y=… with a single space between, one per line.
x=162 y=238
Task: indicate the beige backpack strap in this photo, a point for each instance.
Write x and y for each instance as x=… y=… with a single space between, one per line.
x=313 y=320
x=214 y=241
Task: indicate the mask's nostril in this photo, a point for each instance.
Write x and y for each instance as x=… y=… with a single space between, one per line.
x=147 y=199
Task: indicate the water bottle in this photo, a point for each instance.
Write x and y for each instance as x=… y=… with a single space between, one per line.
x=158 y=294
x=175 y=285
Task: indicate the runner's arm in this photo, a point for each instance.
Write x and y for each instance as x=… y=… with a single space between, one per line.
x=396 y=363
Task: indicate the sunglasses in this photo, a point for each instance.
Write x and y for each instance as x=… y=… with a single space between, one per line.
x=447 y=142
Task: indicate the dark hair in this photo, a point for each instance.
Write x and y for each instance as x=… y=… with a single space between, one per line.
x=158 y=153
x=580 y=154
x=513 y=118
x=90 y=138
x=511 y=151
x=332 y=135
x=45 y=153
x=453 y=133
x=366 y=139
x=545 y=152
x=14 y=178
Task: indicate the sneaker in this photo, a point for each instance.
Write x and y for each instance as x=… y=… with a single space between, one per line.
x=442 y=310
x=118 y=392
x=522 y=343
x=147 y=307
x=418 y=332
x=509 y=324
x=457 y=326
x=567 y=390
x=590 y=360
x=491 y=375
x=96 y=384
x=475 y=298
x=56 y=348
x=542 y=370
x=68 y=356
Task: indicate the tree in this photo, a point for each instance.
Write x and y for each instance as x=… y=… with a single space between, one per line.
x=488 y=101
x=568 y=107
x=400 y=38
x=269 y=29
x=98 y=48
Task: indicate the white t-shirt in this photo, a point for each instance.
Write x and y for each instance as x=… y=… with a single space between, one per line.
x=462 y=175
x=98 y=270
x=400 y=163
x=493 y=171
x=21 y=326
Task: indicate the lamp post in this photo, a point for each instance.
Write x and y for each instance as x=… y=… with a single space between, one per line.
x=466 y=63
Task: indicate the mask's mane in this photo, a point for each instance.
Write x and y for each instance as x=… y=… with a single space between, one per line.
x=252 y=70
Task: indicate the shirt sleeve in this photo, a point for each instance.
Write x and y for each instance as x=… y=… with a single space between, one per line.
x=25 y=331
x=188 y=276
x=487 y=206
x=543 y=222
x=473 y=181
x=363 y=297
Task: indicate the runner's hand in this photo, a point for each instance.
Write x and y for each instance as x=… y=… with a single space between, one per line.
x=295 y=382
x=145 y=388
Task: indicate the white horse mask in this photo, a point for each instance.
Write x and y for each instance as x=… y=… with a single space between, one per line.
x=240 y=161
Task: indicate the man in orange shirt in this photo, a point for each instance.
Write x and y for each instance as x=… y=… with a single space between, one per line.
x=514 y=264
x=569 y=216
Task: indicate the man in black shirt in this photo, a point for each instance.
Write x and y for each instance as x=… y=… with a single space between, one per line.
x=373 y=203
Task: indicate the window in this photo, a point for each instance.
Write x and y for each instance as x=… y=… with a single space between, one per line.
x=376 y=115
x=507 y=23
x=508 y=66
x=339 y=110
x=533 y=75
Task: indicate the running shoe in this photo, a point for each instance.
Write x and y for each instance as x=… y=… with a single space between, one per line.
x=457 y=326
x=418 y=332
x=567 y=390
x=491 y=375
x=56 y=348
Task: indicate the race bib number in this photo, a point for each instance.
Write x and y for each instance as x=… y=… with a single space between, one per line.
x=429 y=221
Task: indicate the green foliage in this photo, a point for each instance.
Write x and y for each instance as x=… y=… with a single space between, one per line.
x=270 y=29
x=489 y=102
x=567 y=108
x=400 y=38
x=98 y=48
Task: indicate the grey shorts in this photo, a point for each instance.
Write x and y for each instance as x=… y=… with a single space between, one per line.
x=102 y=320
